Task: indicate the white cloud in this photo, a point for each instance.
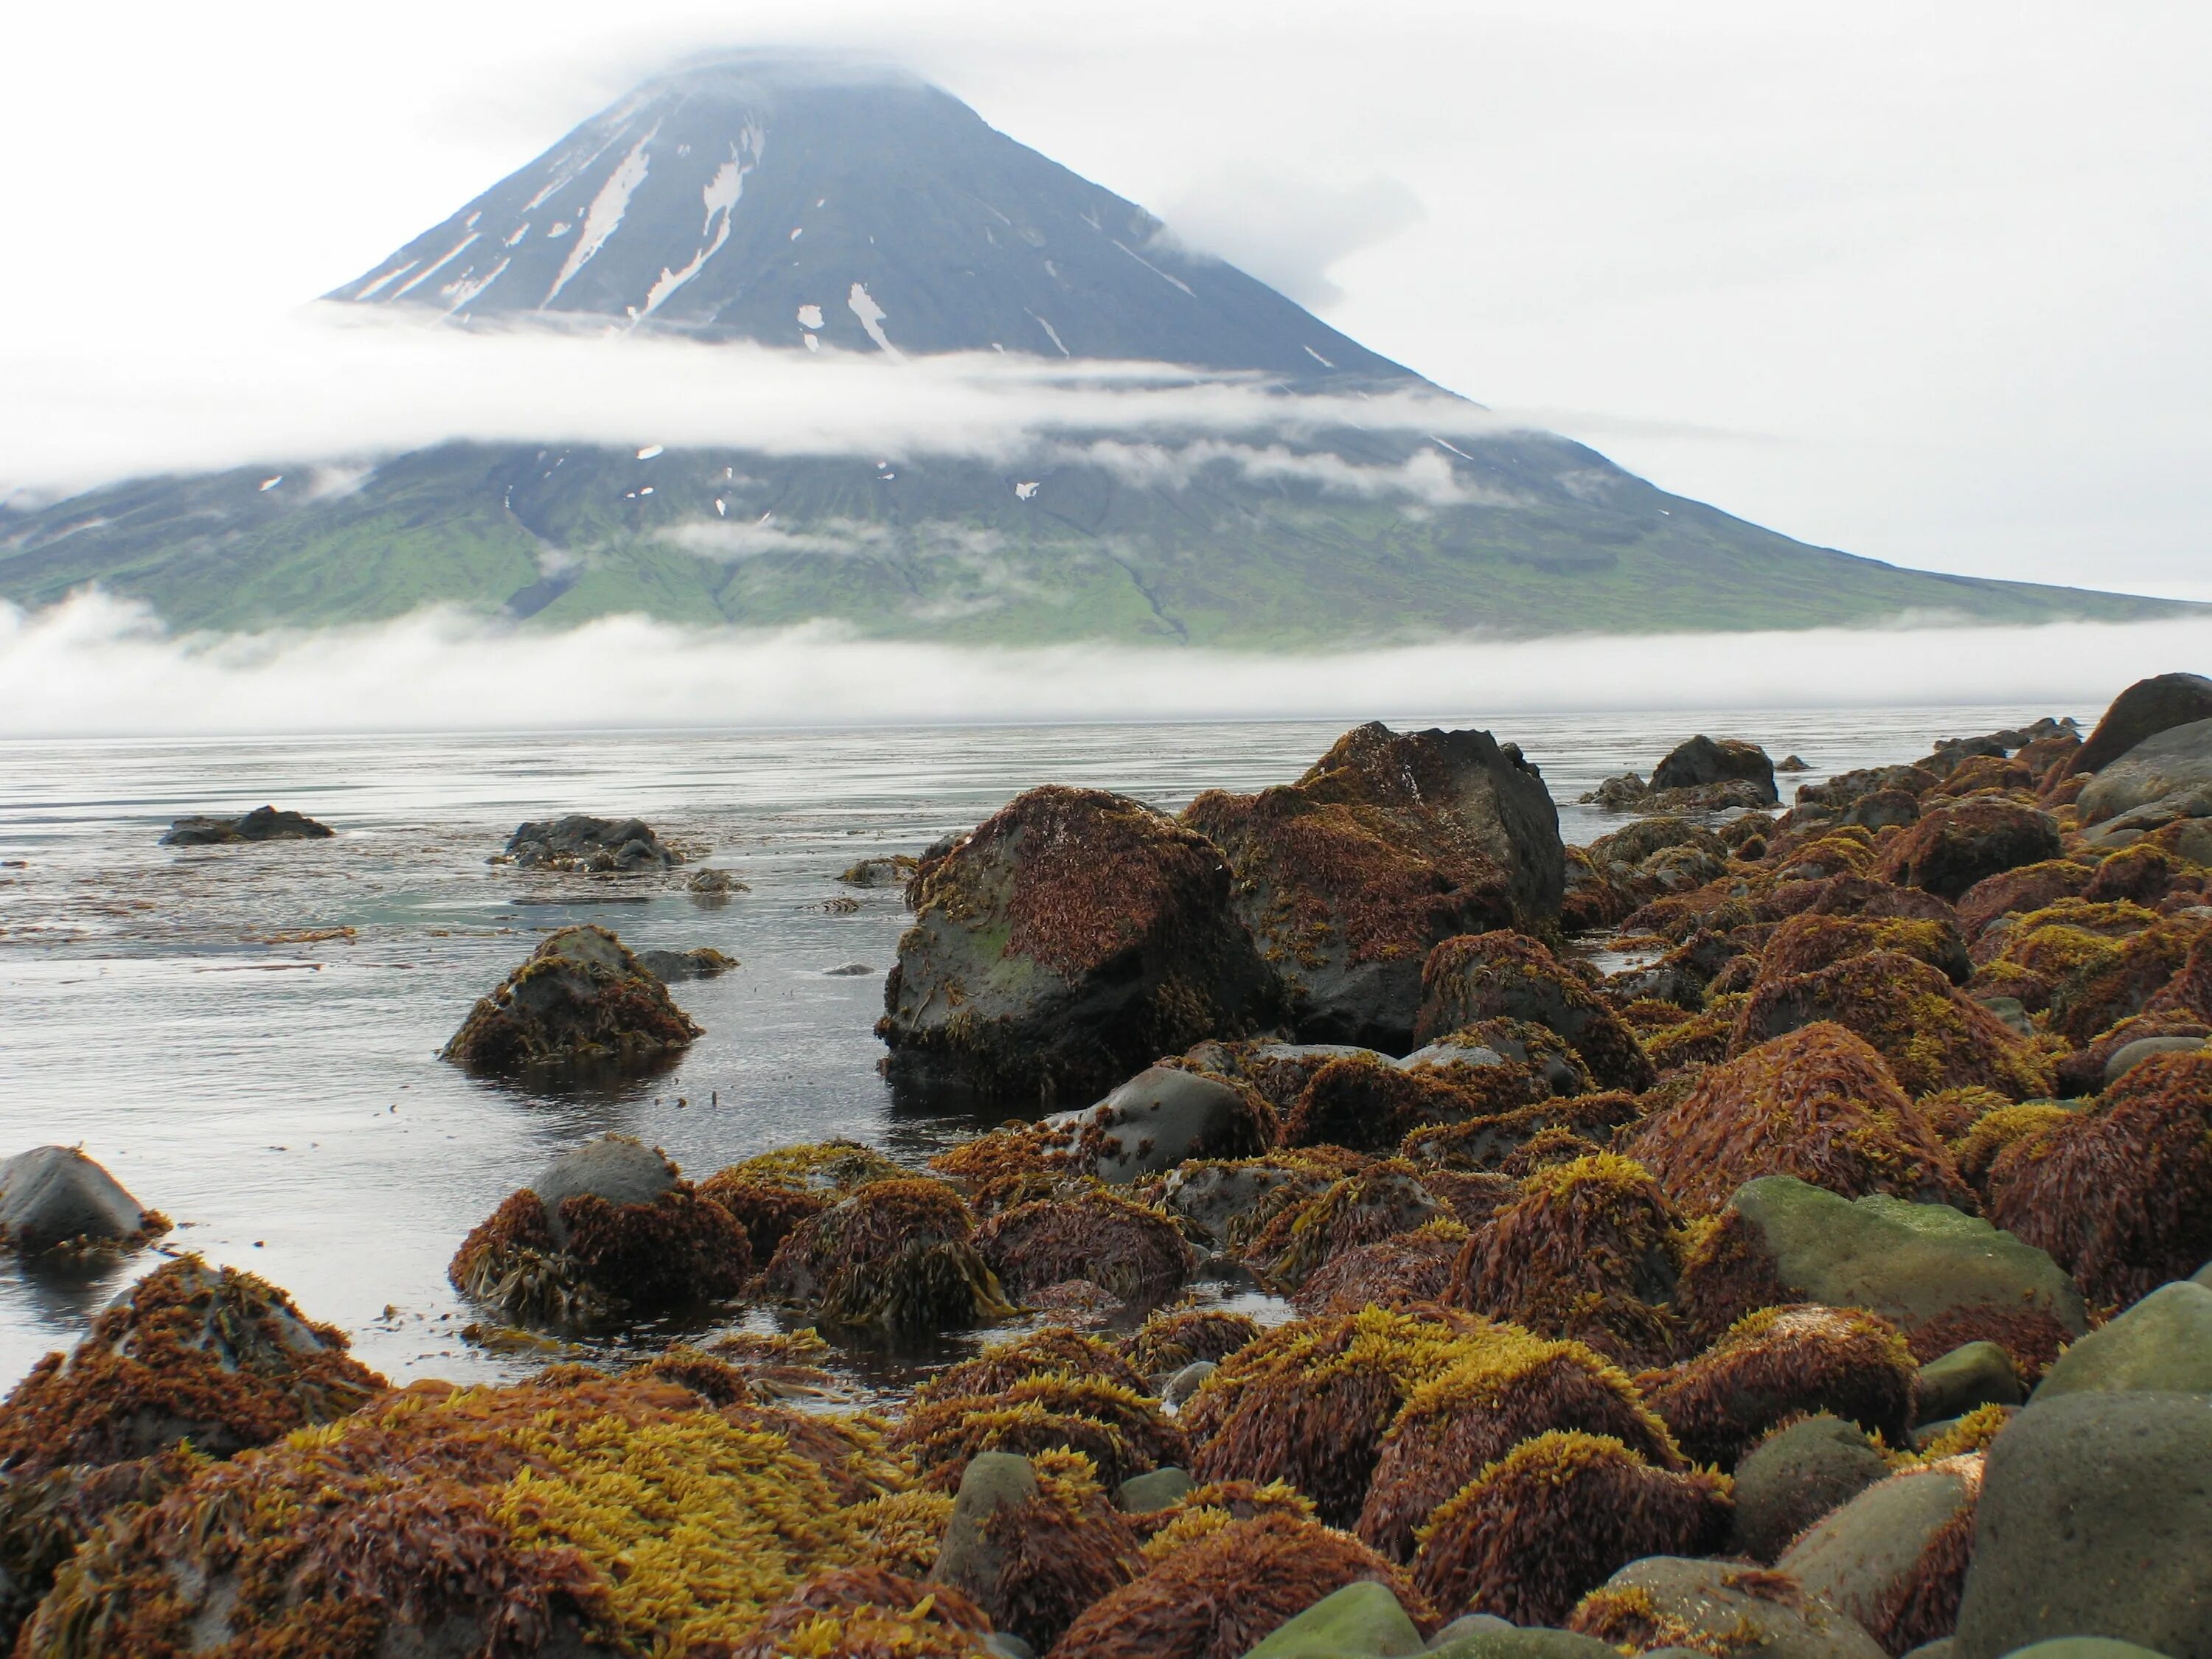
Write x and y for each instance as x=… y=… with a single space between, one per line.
x=94 y=665
x=1290 y=230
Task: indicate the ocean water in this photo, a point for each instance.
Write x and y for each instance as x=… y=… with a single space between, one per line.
x=281 y=1098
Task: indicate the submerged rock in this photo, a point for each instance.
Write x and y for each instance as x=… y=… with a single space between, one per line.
x=262 y=823
x=1391 y=843
x=1074 y=936
x=582 y=997
x=701 y=962
x=582 y=843
x=56 y=1198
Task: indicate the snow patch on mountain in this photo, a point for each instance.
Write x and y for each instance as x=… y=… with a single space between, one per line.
x=605 y=215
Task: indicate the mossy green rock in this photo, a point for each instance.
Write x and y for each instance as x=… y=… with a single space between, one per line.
x=1795 y=1477
x=2163 y=1343
x=1859 y=1557
x=1360 y=1621
x=2095 y=1520
x=1975 y=1374
x=1734 y=1610
x=1534 y=1644
x=1910 y=1263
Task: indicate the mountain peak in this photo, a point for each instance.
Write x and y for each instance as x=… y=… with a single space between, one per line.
x=825 y=202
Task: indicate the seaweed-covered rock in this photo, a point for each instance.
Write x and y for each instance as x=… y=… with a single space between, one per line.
x=1952 y=847
x=2146 y=972
x=262 y=823
x=1591 y=1250
x=1123 y=1431
x=1932 y=1035
x=1894 y=1557
x=896 y=1255
x=56 y=1198
x=607 y=1230
x=1504 y=1387
x=1071 y=938
x=1034 y=1541
x=867 y=1612
x=1390 y=844
x=1402 y=1271
x=1232 y=1200
x=1935 y=1273
x=1703 y=760
x=44 y=1518
x=1507 y=1062
x=1055 y=1351
x=1488 y=976
x=579 y=842
x=671 y=967
x=1491 y=1143
x=580 y=997
x=1818 y=1103
x=770 y=1193
x=532 y=1518
x=1547 y=1523
x=1219 y=1595
x=1717 y=1606
x=2120 y=1196
x=2095 y=1518
x=214 y=1357
x=2020 y=891
x=1781 y=1361
x=1366 y=1103
x=1308 y=1402
x=2161 y=1345
x=1133 y=1251
x=1797 y=1474
x=1370 y=1203
x=1816 y=939
x=1172 y=1338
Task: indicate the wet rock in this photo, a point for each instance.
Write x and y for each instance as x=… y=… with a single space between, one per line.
x=1176 y=1392
x=2142 y=711
x=56 y=1198
x=1071 y=938
x=581 y=998
x=1227 y=1200
x=1797 y=1475
x=701 y=962
x=848 y=970
x=607 y=1230
x=2163 y=1344
x=2095 y=1517
x=581 y=843
x=1667 y=1600
x=262 y=823
x=1391 y=843
x=971 y=1560
x=1133 y=1251
x=1953 y=847
x=1505 y=975
x=1703 y=760
x=1884 y=808
x=2173 y=765
x=2129 y=1055
x=1164 y=1115
x=1970 y=1374
x=1155 y=1490
x=896 y=1256
x=1362 y=1620
x=895 y=871
x=1895 y=1556
x=714 y=885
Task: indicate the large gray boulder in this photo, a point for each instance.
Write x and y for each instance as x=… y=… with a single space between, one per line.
x=1733 y=1610
x=1795 y=1477
x=2161 y=1345
x=2144 y=710
x=1866 y=1557
x=2177 y=763
x=1911 y=1263
x=2095 y=1520
x=1162 y=1117
x=55 y=1197
x=619 y=1169
x=1071 y=938
x=1392 y=842
x=1702 y=760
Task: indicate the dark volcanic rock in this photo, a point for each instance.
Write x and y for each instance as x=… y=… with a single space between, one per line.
x=262 y=823
x=580 y=997
x=1703 y=761
x=1390 y=844
x=55 y=1196
x=584 y=843
x=2144 y=710
x=1074 y=936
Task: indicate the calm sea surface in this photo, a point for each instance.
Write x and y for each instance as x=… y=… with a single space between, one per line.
x=283 y=1102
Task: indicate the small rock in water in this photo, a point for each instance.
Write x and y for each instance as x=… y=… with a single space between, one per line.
x=595 y=845
x=55 y=1197
x=1791 y=763
x=701 y=962
x=848 y=971
x=580 y=997
x=893 y=871
x=262 y=823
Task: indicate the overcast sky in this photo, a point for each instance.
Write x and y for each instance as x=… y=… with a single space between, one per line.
x=1924 y=281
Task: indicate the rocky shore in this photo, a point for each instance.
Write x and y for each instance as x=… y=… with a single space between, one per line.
x=1760 y=1231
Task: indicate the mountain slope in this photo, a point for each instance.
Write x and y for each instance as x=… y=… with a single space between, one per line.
x=799 y=205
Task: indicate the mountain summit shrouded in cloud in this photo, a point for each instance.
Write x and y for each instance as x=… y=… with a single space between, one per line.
x=805 y=204
x=737 y=330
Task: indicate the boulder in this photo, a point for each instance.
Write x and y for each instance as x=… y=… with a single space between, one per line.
x=895 y=871
x=1391 y=843
x=56 y=1198
x=1973 y=1374
x=2129 y=1055
x=2161 y=1345
x=1953 y=847
x=581 y=843
x=1363 y=1620
x=2176 y=762
x=1894 y=1557
x=1509 y=976
x=262 y=823
x=1133 y=1251
x=1176 y=1392
x=2095 y=1520
x=1162 y=1115
x=968 y=1560
x=1721 y=1606
x=1797 y=1475
x=1141 y=1493
x=1480 y=1636
x=701 y=962
x=897 y=1256
x=581 y=998
x=1703 y=761
x=2142 y=711
x=1071 y=938
x=2067 y=1647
